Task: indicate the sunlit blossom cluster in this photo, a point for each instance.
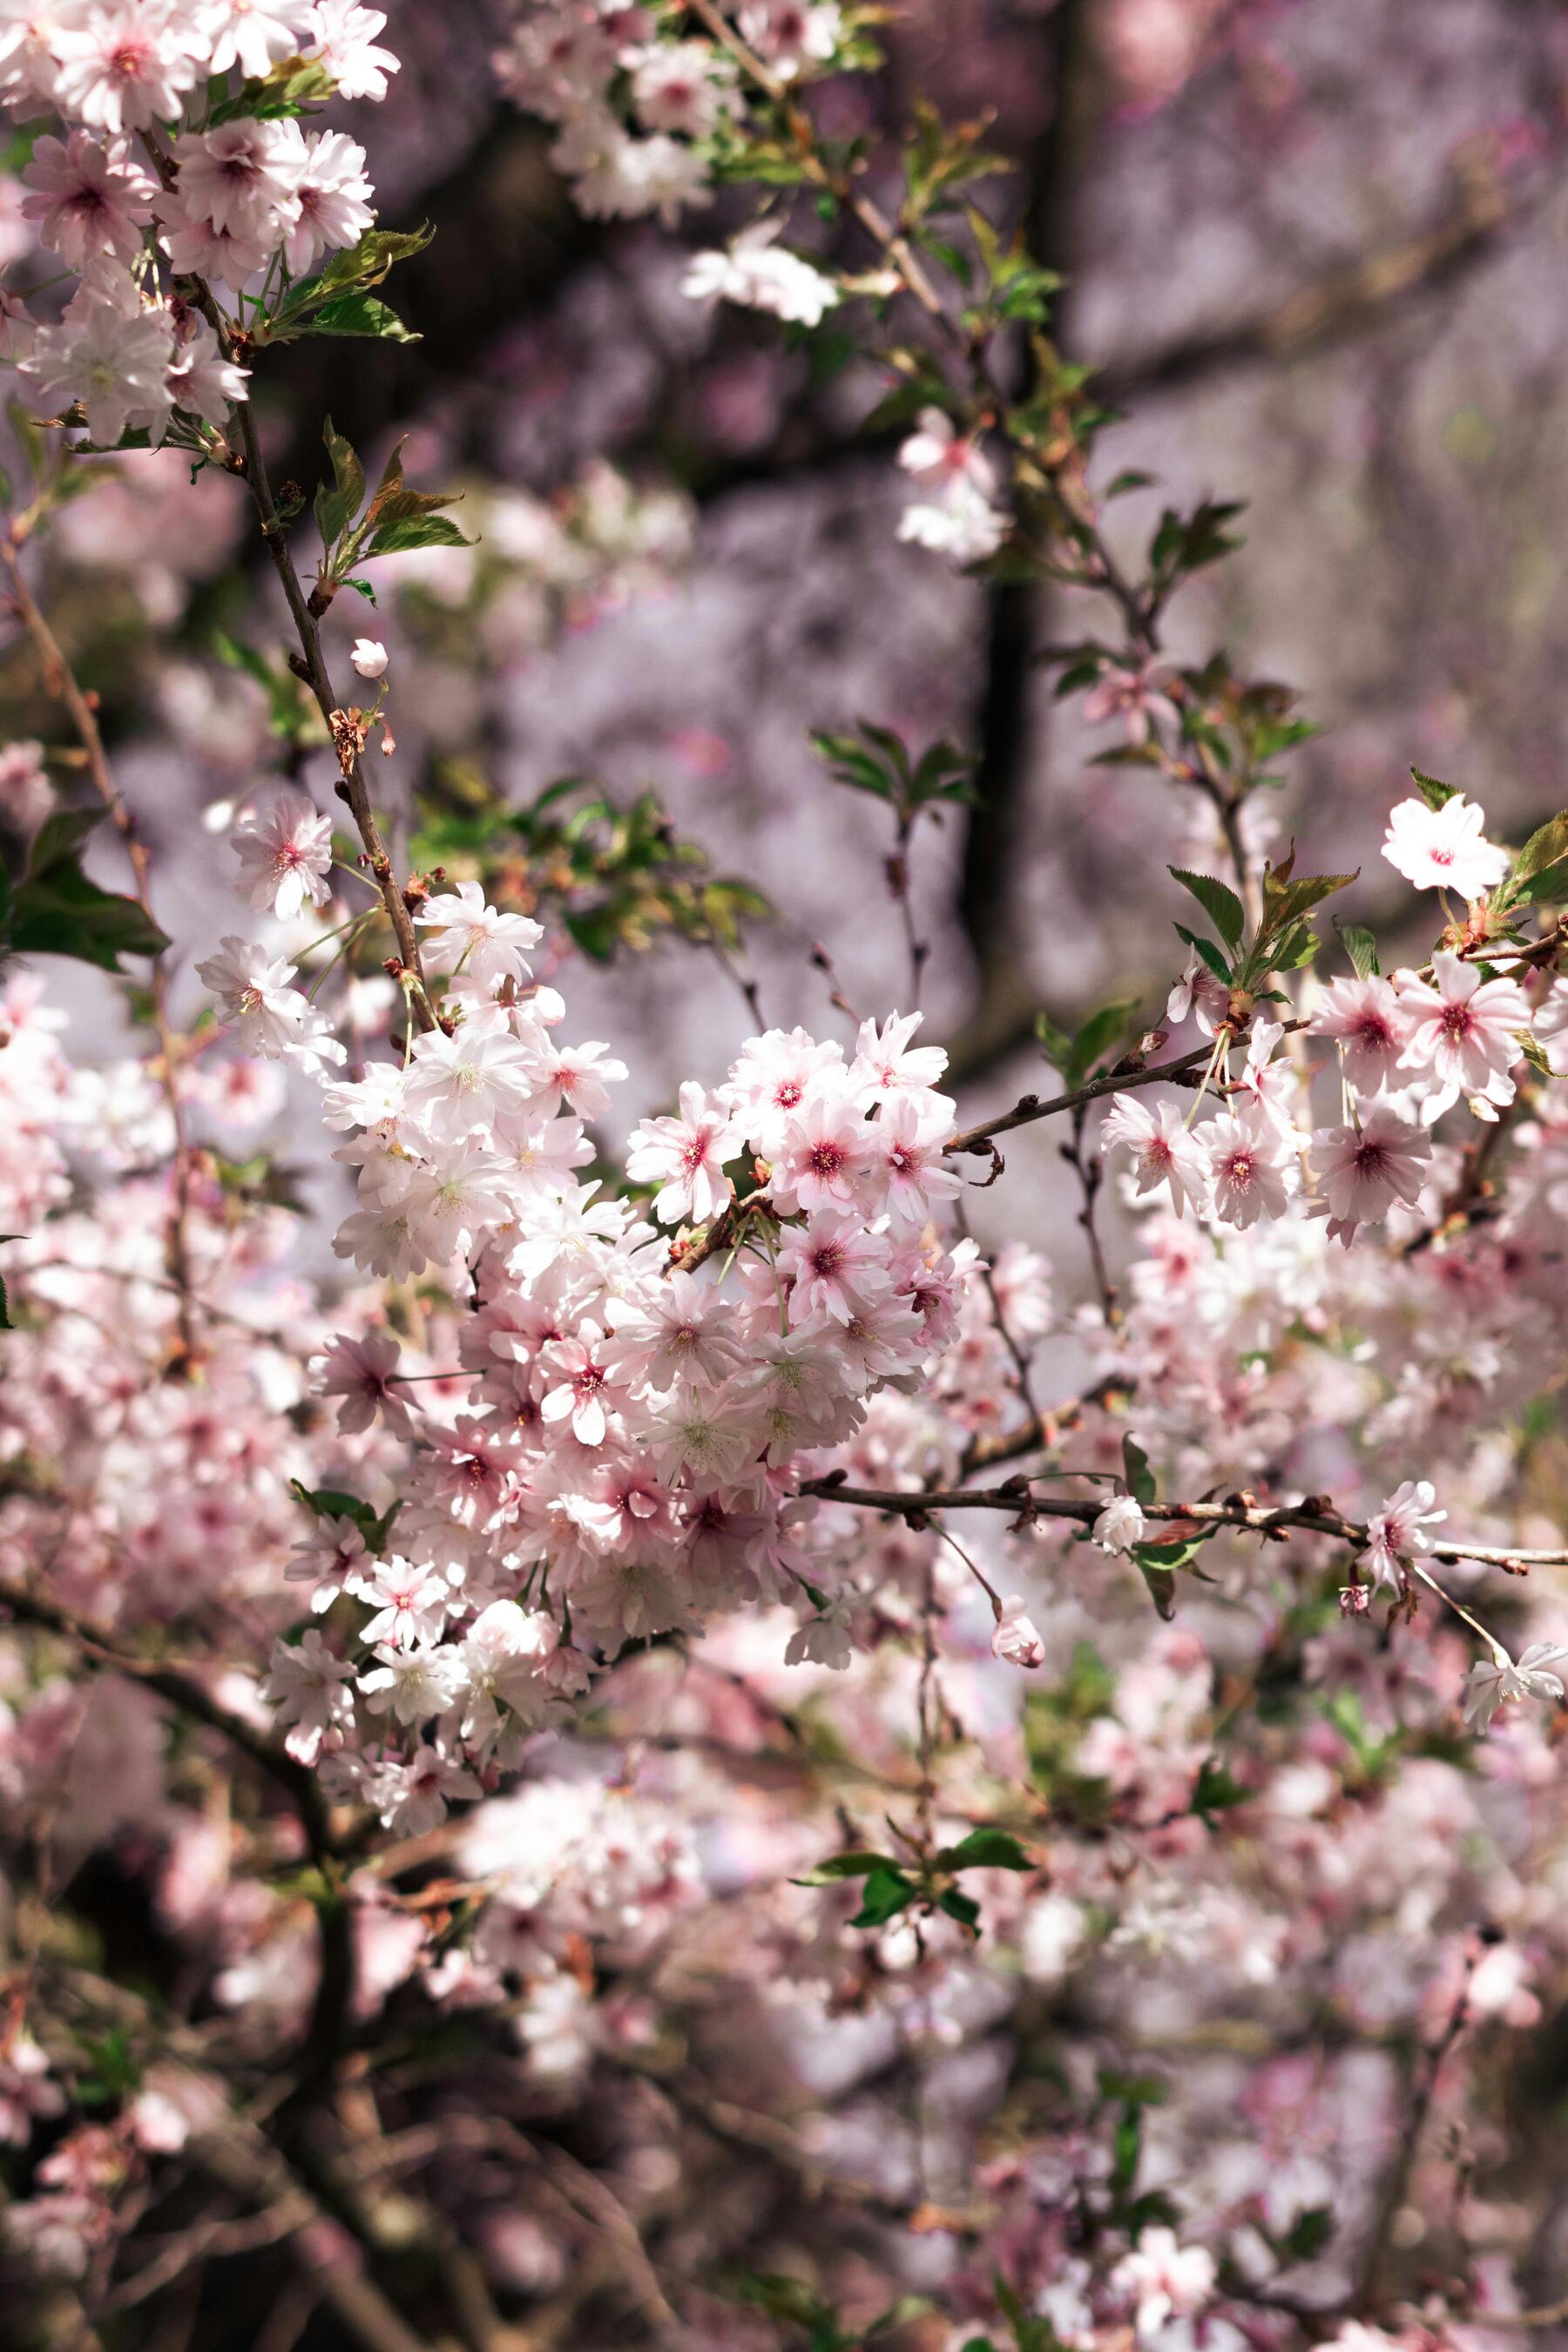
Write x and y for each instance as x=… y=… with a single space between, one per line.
x=249 y=198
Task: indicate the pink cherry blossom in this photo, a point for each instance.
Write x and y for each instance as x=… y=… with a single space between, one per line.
x=1464 y=1032
x=285 y=853
x=1365 y=1168
x=685 y=1158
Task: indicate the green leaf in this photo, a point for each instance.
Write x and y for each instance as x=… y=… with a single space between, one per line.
x=887 y=1893
x=845 y=1865
x=985 y=1849
x=944 y=774
x=1307 y=2235
x=358 y=313
x=336 y=508
x=1544 y=861
x=1215 y=1790
x=1285 y=898
x=1178 y=1552
x=1207 y=951
x=1162 y=1587
x=852 y=765
x=1136 y=2090
x=1361 y=947
x=57 y=910
x=332 y=1503
x=1102 y=1030
x=293 y=85
x=1057 y=1043
x=364 y=265
x=1433 y=793
x=959 y=1906
x=1127 y=2148
x=59 y=839
x=416 y=531
x=1221 y=905
x=1140 y=1478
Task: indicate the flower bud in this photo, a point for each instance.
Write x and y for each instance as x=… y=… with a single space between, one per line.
x=1015 y=1639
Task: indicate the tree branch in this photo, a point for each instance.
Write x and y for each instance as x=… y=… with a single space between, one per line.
x=1316 y=1515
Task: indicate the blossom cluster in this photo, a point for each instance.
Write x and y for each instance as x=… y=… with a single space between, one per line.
x=627 y=1460
x=615 y=1537
x=636 y=112
x=241 y=196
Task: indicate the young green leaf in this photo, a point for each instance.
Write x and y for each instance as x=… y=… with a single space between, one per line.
x=845 y=1865
x=1361 y=947
x=1431 y=790
x=1221 y=905
x=416 y=531
x=985 y=1849
x=336 y=508
x=1541 y=869
x=886 y=1893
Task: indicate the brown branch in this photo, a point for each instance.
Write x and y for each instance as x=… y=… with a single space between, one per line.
x=1126 y=1075
x=1314 y=1516
x=181 y=1686
x=184 y=1689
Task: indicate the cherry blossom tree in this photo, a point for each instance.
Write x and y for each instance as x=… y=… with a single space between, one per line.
x=705 y=1749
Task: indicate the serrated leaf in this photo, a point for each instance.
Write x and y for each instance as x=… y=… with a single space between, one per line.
x=364 y=265
x=336 y=508
x=1535 y=1052
x=1361 y=947
x=416 y=531
x=1207 y=949
x=358 y=313
x=1220 y=904
x=1433 y=792
x=1546 y=848
x=1286 y=898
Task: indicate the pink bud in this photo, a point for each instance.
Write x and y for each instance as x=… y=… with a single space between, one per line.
x=1014 y=1638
